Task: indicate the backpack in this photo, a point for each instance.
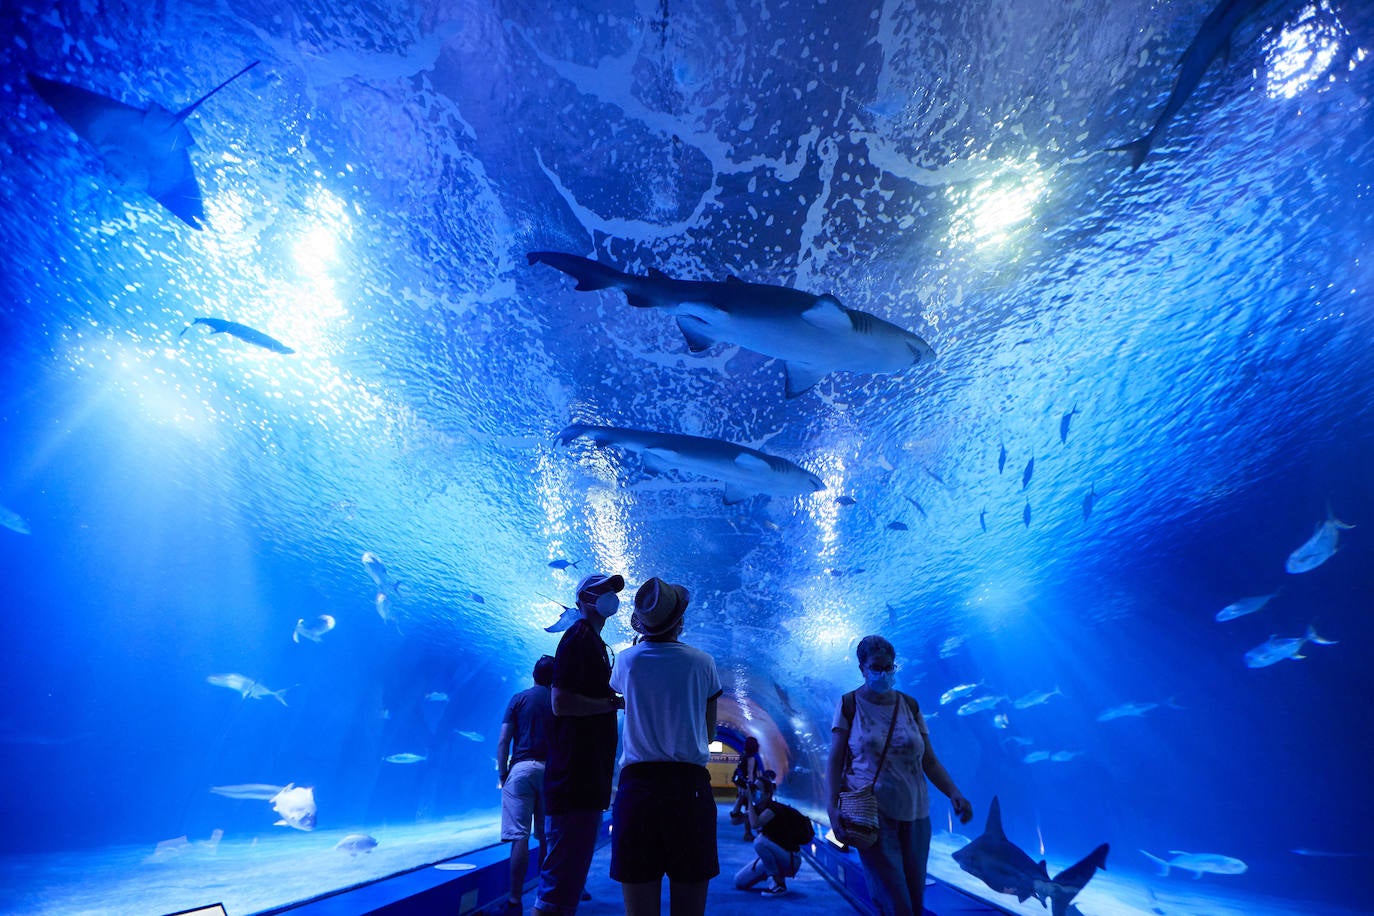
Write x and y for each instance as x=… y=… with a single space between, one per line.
x=847 y=706
x=788 y=827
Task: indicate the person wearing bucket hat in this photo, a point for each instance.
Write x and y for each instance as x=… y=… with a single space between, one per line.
x=664 y=817
x=582 y=747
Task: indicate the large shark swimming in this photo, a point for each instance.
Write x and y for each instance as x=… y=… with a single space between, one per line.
x=1212 y=37
x=146 y=149
x=1003 y=866
x=744 y=471
x=813 y=335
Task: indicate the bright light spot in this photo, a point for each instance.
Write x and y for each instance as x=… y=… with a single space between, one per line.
x=990 y=211
x=303 y=314
x=316 y=250
x=1304 y=51
x=716 y=747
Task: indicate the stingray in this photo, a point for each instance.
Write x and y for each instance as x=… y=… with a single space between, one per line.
x=147 y=149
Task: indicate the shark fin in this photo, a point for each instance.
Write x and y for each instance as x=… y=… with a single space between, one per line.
x=656 y=274
x=733 y=279
x=752 y=463
x=1138 y=149
x=801 y=378
x=696 y=340
x=736 y=494
x=827 y=314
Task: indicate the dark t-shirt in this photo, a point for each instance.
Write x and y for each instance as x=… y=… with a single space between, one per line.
x=530 y=716
x=581 y=748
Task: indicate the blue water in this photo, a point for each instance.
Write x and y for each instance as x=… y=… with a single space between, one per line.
x=371 y=190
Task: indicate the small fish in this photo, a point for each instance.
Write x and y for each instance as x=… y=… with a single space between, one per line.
x=1026 y=474
x=405 y=758
x=1126 y=709
x=437 y=697
x=247 y=687
x=983 y=520
x=474 y=596
x=979 y=705
x=377 y=570
x=891 y=615
x=1064 y=422
x=253 y=790
x=355 y=843
x=13 y=521
x=473 y=736
x=242 y=332
x=1026 y=514
x=561 y=564
x=1198 y=863
x=1064 y=756
x=1001 y=721
x=1243 y=606
x=1275 y=649
x=1323 y=854
x=1088 y=502
x=951 y=645
x=296 y=805
x=1319 y=547
x=1018 y=740
x=897 y=526
x=955 y=693
x=918 y=507
x=313 y=631
x=1036 y=757
x=383 y=603
x=1037 y=698
x=1002 y=458
x=845 y=500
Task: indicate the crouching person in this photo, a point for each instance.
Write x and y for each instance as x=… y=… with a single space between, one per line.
x=781 y=831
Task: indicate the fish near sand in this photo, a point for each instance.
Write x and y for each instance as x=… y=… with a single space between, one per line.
x=1276 y=649
x=356 y=843
x=1212 y=38
x=247 y=687
x=1003 y=866
x=146 y=149
x=812 y=335
x=1199 y=863
x=241 y=331
x=744 y=471
x=312 y=631
x=1319 y=548
x=1243 y=606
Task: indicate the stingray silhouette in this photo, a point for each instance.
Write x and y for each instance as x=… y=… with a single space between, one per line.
x=1003 y=866
x=146 y=149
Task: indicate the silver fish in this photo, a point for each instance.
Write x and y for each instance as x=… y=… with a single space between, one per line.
x=1243 y=606
x=355 y=843
x=313 y=631
x=1319 y=547
x=813 y=335
x=744 y=471
x=1198 y=863
x=473 y=736
x=978 y=705
x=1037 y=698
x=1036 y=757
x=955 y=693
x=1276 y=649
x=1064 y=756
x=13 y=521
x=247 y=687
x=296 y=805
x=405 y=758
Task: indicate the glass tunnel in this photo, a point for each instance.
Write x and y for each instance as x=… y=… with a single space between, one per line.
x=1031 y=335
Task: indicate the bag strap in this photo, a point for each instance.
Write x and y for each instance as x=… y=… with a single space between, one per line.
x=890 y=729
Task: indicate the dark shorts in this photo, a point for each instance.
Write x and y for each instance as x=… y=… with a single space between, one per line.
x=663 y=823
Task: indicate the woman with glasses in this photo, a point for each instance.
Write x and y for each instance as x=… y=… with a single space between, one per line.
x=879 y=738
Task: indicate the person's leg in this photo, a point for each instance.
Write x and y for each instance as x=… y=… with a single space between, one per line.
x=775 y=859
x=643 y=899
x=519 y=862
x=884 y=873
x=572 y=842
x=915 y=837
x=686 y=898
x=517 y=811
x=750 y=874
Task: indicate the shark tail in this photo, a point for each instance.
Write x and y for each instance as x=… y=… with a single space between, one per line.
x=1163 y=866
x=1138 y=149
x=185 y=112
x=589 y=274
x=1071 y=880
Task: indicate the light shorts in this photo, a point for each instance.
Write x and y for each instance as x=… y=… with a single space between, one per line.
x=522 y=800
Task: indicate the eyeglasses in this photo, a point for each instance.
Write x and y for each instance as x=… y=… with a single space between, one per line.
x=881 y=668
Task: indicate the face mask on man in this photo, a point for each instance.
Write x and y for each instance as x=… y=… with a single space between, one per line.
x=881 y=681
x=607 y=604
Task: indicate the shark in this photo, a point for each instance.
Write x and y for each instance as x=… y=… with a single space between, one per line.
x=241 y=331
x=744 y=471
x=1213 y=37
x=813 y=335
x=146 y=149
x=1003 y=866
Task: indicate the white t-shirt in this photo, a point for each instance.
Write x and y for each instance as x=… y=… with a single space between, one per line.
x=666 y=687
x=901 y=788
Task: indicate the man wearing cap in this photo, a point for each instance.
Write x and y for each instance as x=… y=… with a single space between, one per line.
x=665 y=815
x=582 y=746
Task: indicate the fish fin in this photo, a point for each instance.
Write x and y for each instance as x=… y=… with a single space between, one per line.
x=589 y=274
x=296 y=638
x=696 y=340
x=801 y=378
x=733 y=279
x=736 y=494
x=181 y=194
x=753 y=463
x=827 y=314
x=1163 y=866
x=1138 y=149
x=96 y=118
x=574 y=431
x=182 y=115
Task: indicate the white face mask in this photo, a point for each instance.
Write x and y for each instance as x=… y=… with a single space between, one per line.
x=607 y=604
x=881 y=682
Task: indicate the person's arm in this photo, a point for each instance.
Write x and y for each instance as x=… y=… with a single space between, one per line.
x=834 y=780
x=935 y=771
x=711 y=715
x=503 y=751
x=568 y=703
x=760 y=815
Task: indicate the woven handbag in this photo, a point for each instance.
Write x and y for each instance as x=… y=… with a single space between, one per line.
x=859 y=807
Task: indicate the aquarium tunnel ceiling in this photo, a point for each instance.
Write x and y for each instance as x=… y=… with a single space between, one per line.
x=911 y=318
